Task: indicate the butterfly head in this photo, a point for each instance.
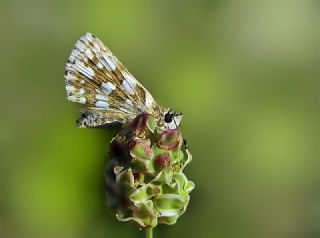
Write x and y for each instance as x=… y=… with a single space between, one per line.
x=172 y=118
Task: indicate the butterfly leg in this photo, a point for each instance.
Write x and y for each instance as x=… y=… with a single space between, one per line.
x=185 y=144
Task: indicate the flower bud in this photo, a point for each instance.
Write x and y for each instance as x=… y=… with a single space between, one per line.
x=170 y=139
x=162 y=161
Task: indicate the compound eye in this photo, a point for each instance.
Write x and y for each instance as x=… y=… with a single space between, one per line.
x=168 y=117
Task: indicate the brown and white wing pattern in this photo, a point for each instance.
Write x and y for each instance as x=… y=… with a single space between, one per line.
x=96 y=78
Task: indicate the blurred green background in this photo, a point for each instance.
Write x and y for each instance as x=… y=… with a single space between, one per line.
x=246 y=75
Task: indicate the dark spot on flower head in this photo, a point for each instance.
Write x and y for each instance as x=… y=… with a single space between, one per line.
x=136 y=176
x=120 y=152
x=132 y=144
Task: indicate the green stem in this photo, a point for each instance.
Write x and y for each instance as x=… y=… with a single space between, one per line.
x=149 y=233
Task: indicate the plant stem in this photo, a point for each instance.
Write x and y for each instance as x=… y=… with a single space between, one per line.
x=149 y=233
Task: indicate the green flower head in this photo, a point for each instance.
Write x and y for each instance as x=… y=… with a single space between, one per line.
x=145 y=180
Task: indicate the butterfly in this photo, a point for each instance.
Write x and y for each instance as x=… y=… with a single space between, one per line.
x=96 y=78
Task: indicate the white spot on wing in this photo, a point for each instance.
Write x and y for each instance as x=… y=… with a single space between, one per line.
x=70 y=77
x=111 y=63
x=149 y=100
x=81 y=91
x=130 y=79
x=70 y=88
x=129 y=83
x=82 y=100
x=102 y=104
x=129 y=102
x=108 y=87
x=126 y=87
x=80 y=46
x=88 y=37
x=72 y=98
x=77 y=99
x=101 y=97
x=81 y=68
x=141 y=106
x=97 y=45
x=124 y=110
x=99 y=65
x=89 y=54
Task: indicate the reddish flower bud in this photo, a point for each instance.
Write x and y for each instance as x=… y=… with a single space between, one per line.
x=170 y=139
x=140 y=148
x=162 y=161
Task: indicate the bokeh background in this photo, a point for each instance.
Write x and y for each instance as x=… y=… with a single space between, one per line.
x=246 y=75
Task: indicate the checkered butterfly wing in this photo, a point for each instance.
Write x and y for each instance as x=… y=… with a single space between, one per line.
x=96 y=78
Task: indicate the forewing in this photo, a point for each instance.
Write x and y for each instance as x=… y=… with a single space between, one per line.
x=96 y=78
